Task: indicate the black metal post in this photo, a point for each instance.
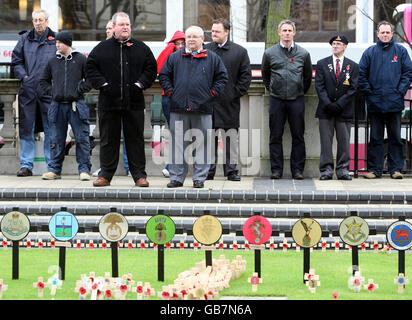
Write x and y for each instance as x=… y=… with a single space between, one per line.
x=401 y=255
x=257 y=262
x=161 y=262
x=355 y=252
x=209 y=262
x=15 y=258
x=62 y=263
x=115 y=260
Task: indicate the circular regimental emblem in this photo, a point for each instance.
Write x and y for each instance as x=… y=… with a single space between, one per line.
x=113 y=226
x=160 y=229
x=399 y=235
x=354 y=230
x=257 y=230
x=306 y=232
x=63 y=226
x=15 y=226
x=207 y=230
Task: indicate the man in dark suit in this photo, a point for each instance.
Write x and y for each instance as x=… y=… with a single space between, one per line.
x=226 y=107
x=336 y=82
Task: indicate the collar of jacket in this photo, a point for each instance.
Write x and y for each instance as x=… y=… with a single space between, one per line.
x=226 y=46
x=385 y=45
x=201 y=54
x=122 y=43
x=49 y=36
x=69 y=57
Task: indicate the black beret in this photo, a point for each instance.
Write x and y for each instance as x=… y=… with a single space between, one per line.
x=339 y=37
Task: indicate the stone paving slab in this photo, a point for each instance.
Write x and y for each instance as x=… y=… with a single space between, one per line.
x=219 y=183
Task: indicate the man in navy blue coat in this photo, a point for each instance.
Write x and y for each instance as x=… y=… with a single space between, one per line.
x=385 y=74
x=336 y=82
x=30 y=56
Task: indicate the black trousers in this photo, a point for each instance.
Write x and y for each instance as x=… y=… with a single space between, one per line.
x=230 y=149
x=294 y=112
x=110 y=134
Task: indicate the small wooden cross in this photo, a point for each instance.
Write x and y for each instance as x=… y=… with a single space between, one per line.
x=255 y=280
x=324 y=245
x=338 y=245
x=376 y=246
x=285 y=245
x=271 y=245
x=356 y=281
x=401 y=281
x=371 y=286
x=3 y=287
x=54 y=283
x=139 y=289
x=148 y=290
x=81 y=289
x=40 y=285
x=165 y=294
x=312 y=280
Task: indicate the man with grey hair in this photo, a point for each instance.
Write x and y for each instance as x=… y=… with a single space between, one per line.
x=192 y=78
x=121 y=67
x=287 y=75
x=30 y=56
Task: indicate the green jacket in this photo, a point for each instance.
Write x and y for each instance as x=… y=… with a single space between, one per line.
x=287 y=75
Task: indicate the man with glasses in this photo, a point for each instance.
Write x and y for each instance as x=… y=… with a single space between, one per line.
x=192 y=78
x=30 y=56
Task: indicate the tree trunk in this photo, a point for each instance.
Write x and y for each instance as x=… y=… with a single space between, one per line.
x=277 y=10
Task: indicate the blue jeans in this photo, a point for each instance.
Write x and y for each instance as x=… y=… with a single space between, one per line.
x=378 y=121
x=60 y=115
x=28 y=149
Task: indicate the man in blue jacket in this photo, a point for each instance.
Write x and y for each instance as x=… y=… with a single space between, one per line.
x=30 y=56
x=385 y=74
x=192 y=77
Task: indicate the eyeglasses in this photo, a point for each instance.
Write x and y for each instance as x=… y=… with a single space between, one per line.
x=192 y=37
x=39 y=20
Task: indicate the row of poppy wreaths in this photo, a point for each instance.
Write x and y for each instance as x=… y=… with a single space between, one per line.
x=337 y=245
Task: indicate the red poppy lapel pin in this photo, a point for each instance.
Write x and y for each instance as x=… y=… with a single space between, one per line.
x=129 y=43
x=50 y=38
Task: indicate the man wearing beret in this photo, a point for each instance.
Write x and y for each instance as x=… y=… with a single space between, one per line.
x=336 y=82
x=385 y=74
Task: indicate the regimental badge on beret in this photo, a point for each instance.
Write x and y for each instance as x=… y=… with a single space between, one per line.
x=339 y=37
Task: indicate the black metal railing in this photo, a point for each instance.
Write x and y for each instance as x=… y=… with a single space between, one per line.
x=361 y=126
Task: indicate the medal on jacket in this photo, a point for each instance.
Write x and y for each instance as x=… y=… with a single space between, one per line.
x=330 y=67
x=346 y=82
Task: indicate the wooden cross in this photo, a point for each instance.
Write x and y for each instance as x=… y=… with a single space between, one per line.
x=54 y=283
x=324 y=245
x=139 y=289
x=148 y=290
x=103 y=244
x=312 y=280
x=356 y=282
x=165 y=294
x=3 y=287
x=40 y=285
x=285 y=245
x=255 y=280
x=371 y=286
x=337 y=245
x=376 y=246
x=81 y=289
x=401 y=281
x=182 y=244
x=296 y=246
x=271 y=245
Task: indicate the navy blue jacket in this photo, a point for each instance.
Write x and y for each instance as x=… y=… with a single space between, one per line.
x=192 y=82
x=385 y=74
x=30 y=56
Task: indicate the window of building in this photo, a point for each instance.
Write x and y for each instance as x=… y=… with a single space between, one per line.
x=316 y=21
x=203 y=12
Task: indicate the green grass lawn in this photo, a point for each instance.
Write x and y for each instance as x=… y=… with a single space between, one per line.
x=281 y=272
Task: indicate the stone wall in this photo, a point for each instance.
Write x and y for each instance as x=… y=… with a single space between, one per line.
x=253 y=135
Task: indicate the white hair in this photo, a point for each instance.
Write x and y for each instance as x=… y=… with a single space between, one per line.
x=198 y=29
x=40 y=11
x=119 y=14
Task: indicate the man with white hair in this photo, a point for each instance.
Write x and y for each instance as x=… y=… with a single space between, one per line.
x=192 y=78
x=30 y=56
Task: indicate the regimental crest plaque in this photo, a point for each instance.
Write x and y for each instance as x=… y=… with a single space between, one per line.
x=207 y=230
x=399 y=235
x=306 y=232
x=63 y=226
x=354 y=231
x=160 y=229
x=257 y=230
x=113 y=227
x=15 y=226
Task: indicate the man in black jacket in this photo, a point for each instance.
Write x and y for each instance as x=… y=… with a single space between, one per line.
x=336 y=82
x=192 y=78
x=287 y=75
x=226 y=107
x=121 y=68
x=64 y=79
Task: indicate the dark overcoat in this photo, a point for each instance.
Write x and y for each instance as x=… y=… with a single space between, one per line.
x=29 y=58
